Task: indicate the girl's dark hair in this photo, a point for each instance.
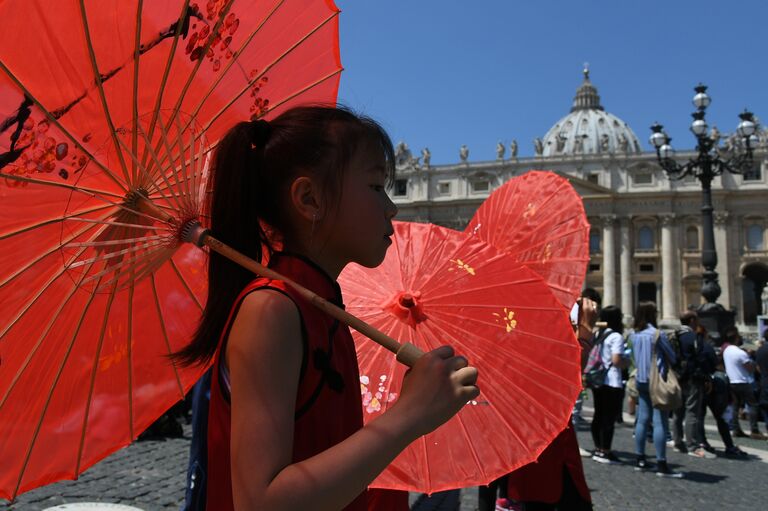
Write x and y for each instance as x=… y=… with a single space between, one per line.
x=250 y=185
x=645 y=314
x=614 y=317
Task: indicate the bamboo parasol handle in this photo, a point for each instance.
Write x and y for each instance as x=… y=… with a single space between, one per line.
x=406 y=353
x=193 y=232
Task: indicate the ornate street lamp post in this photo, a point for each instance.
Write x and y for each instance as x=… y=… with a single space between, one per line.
x=709 y=162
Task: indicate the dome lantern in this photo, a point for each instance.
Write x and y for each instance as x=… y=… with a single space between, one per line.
x=588 y=128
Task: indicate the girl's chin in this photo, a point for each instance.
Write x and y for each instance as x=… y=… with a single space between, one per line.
x=374 y=260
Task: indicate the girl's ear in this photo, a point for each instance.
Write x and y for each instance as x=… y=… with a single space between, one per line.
x=306 y=198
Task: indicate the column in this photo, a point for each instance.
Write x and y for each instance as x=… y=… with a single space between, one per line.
x=625 y=269
x=609 y=261
x=722 y=269
x=670 y=284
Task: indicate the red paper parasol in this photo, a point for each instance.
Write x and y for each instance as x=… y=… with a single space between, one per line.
x=438 y=286
x=538 y=219
x=105 y=107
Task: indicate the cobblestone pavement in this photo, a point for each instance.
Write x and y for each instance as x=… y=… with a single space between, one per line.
x=150 y=475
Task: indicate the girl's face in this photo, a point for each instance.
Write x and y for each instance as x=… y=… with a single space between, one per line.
x=359 y=227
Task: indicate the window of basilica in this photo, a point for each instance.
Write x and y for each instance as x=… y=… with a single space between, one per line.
x=755 y=238
x=645 y=239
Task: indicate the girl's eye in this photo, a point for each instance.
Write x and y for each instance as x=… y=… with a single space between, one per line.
x=378 y=188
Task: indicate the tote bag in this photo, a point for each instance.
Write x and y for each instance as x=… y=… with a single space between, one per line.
x=665 y=394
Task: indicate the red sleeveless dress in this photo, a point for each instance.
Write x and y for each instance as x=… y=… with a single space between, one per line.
x=542 y=481
x=328 y=407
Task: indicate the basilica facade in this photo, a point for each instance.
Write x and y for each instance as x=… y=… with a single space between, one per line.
x=646 y=236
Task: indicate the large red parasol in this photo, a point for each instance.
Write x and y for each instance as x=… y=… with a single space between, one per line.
x=538 y=219
x=438 y=286
x=106 y=106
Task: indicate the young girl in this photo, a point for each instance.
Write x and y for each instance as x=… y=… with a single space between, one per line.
x=285 y=429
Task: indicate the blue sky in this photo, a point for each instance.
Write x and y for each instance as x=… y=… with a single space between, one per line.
x=445 y=73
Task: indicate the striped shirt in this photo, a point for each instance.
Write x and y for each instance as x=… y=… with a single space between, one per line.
x=641 y=351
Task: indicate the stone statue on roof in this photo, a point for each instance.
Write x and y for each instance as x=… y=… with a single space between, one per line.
x=623 y=142
x=560 y=142
x=426 y=157
x=513 y=149
x=538 y=146
x=500 y=149
x=402 y=154
x=605 y=142
x=464 y=153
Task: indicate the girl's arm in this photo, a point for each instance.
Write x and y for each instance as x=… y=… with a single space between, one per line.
x=264 y=358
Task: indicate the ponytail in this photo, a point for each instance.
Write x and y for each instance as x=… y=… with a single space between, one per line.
x=235 y=221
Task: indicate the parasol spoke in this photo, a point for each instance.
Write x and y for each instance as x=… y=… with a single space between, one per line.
x=236 y=57
x=50 y=221
x=165 y=335
x=67 y=186
x=52 y=387
x=171 y=160
x=135 y=106
x=89 y=398
x=128 y=265
x=142 y=169
x=494 y=285
x=100 y=89
x=125 y=224
x=459 y=319
x=273 y=106
x=54 y=317
x=153 y=154
x=51 y=250
x=312 y=85
x=256 y=78
x=445 y=333
x=470 y=441
x=166 y=73
x=183 y=179
x=94 y=194
x=544 y=242
x=186 y=285
x=65 y=131
x=108 y=243
x=136 y=248
x=269 y=66
x=185 y=183
x=198 y=62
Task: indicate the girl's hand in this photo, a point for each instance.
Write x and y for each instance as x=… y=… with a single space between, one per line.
x=435 y=389
x=587 y=318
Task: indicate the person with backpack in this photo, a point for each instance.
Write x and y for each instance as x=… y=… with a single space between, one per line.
x=603 y=375
x=694 y=374
x=650 y=346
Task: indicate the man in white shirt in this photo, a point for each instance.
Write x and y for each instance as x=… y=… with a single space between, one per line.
x=740 y=368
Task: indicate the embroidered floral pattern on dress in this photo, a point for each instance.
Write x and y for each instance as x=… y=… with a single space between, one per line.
x=372 y=401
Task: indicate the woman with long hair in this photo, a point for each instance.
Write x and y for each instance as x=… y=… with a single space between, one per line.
x=650 y=346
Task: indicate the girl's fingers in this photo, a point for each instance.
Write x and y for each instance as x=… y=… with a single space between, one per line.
x=443 y=352
x=466 y=376
x=470 y=392
x=458 y=362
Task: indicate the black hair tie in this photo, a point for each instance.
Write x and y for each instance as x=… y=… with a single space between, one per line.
x=259 y=131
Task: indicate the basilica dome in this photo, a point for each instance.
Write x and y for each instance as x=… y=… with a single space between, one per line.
x=589 y=129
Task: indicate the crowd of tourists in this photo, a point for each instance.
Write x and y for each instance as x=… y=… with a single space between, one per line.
x=707 y=372
x=666 y=381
